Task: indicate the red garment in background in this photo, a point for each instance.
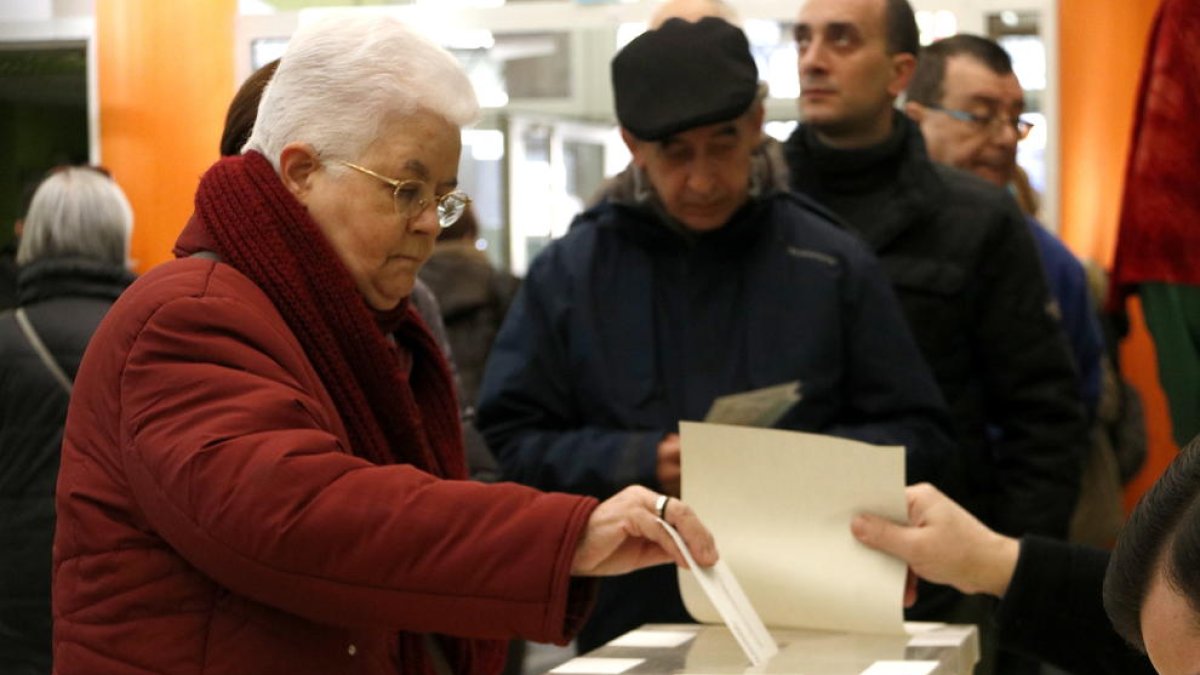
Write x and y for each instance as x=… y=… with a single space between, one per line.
x=1159 y=237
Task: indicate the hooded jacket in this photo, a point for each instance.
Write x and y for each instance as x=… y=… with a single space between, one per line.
x=631 y=323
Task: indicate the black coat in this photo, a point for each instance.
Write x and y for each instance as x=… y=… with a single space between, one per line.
x=64 y=300
x=968 y=276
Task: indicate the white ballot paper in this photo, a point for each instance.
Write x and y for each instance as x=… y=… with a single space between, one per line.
x=780 y=504
x=726 y=595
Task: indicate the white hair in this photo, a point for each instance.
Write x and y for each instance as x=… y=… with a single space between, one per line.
x=342 y=78
x=77 y=212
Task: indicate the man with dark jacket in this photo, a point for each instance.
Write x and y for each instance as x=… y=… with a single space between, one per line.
x=958 y=254
x=968 y=102
x=961 y=260
x=695 y=279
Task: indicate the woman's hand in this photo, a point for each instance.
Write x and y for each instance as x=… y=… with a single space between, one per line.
x=943 y=543
x=623 y=535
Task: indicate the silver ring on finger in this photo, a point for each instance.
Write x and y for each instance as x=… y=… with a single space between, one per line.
x=661 y=506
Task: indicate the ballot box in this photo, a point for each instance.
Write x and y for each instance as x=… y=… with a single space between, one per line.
x=691 y=649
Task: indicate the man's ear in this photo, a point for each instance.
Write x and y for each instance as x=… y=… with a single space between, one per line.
x=637 y=148
x=297 y=164
x=903 y=67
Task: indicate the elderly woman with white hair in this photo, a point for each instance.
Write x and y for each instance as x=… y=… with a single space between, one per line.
x=262 y=464
x=72 y=266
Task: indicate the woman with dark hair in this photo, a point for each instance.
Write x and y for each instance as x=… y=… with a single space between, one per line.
x=243 y=110
x=72 y=265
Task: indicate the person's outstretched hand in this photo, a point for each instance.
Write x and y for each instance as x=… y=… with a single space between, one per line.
x=623 y=535
x=943 y=543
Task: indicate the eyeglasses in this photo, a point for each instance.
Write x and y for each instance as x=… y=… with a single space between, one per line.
x=990 y=123
x=412 y=197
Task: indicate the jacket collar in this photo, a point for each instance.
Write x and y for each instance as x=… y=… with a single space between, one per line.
x=900 y=165
x=70 y=277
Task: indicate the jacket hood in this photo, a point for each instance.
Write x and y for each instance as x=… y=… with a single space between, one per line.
x=631 y=192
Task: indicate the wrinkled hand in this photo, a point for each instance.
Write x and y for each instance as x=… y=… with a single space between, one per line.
x=670 y=469
x=623 y=535
x=943 y=543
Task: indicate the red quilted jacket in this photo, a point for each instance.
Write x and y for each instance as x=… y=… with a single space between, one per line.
x=211 y=519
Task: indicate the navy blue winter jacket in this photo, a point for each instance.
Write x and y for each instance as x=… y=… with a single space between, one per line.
x=627 y=325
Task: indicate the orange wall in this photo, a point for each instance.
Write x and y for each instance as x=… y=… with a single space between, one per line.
x=1101 y=49
x=165 y=79
x=1100 y=57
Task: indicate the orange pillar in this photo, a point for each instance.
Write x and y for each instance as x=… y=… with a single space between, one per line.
x=1101 y=47
x=165 y=80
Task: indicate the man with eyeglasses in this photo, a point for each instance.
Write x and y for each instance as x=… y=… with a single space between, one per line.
x=968 y=102
x=962 y=262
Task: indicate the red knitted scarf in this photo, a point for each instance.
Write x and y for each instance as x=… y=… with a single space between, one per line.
x=259 y=228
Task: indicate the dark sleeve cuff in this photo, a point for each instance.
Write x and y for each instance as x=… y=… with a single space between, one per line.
x=1054 y=611
x=581 y=598
x=639 y=462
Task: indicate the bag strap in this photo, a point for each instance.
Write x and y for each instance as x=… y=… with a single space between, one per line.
x=38 y=346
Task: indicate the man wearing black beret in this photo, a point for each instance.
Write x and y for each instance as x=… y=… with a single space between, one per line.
x=692 y=279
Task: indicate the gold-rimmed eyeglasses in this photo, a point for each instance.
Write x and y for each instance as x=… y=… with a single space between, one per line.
x=411 y=197
x=990 y=123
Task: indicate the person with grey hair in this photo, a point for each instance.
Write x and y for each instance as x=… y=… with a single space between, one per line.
x=263 y=466
x=72 y=266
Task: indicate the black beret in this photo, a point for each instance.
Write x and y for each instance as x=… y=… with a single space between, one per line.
x=683 y=75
